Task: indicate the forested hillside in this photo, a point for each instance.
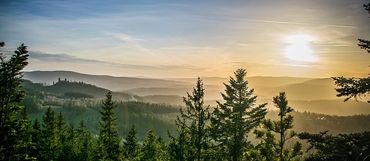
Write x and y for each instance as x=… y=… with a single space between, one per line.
x=161 y=112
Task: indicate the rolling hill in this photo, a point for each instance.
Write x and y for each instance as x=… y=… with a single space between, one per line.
x=306 y=94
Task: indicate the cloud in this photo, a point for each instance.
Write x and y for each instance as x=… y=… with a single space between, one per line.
x=65 y=58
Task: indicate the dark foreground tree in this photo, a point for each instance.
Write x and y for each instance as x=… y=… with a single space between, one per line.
x=365 y=44
x=11 y=94
x=50 y=140
x=178 y=147
x=342 y=147
x=276 y=149
x=232 y=120
x=355 y=87
x=192 y=124
x=109 y=141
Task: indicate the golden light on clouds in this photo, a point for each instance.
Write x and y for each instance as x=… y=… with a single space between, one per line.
x=298 y=48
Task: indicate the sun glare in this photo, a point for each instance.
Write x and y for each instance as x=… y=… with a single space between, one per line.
x=299 y=48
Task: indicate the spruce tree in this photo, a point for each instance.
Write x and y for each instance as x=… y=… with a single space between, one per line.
x=131 y=145
x=282 y=127
x=193 y=121
x=24 y=139
x=36 y=137
x=153 y=148
x=232 y=120
x=11 y=94
x=178 y=147
x=49 y=133
x=84 y=143
x=109 y=141
x=62 y=131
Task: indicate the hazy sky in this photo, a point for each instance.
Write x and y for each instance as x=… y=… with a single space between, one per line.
x=190 y=38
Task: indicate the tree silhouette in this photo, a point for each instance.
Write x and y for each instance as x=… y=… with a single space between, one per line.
x=355 y=87
x=192 y=123
x=283 y=126
x=232 y=120
x=11 y=94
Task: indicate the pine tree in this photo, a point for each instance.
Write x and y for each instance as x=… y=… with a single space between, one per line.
x=84 y=143
x=153 y=148
x=11 y=94
x=36 y=137
x=49 y=133
x=62 y=144
x=282 y=127
x=24 y=139
x=193 y=121
x=178 y=147
x=131 y=145
x=232 y=120
x=109 y=141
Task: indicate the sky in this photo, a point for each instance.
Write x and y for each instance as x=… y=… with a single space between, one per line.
x=190 y=38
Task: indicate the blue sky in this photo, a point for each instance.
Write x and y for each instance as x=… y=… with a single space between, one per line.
x=187 y=38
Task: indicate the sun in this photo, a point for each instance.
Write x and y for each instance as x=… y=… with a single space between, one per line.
x=298 y=48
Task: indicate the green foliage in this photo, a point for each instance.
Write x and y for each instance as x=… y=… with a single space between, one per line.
x=131 y=145
x=12 y=126
x=109 y=141
x=342 y=147
x=233 y=119
x=192 y=127
x=276 y=150
x=49 y=133
x=153 y=148
x=178 y=147
x=85 y=143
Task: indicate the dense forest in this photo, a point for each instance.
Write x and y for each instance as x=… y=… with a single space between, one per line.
x=38 y=122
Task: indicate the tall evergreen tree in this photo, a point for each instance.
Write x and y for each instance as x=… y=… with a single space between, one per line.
x=84 y=143
x=193 y=121
x=36 y=137
x=178 y=147
x=49 y=133
x=109 y=141
x=282 y=127
x=63 y=142
x=24 y=139
x=131 y=145
x=11 y=94
x=232 y=120
x=153 y=148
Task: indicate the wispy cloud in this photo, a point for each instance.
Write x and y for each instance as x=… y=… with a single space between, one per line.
x=61 y=58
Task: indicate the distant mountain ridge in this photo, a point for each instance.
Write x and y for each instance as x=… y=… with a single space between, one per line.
x=306 y=94
x=104 y=81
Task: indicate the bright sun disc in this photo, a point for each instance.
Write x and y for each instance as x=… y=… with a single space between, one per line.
x=299 y=48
